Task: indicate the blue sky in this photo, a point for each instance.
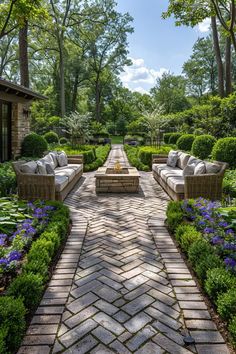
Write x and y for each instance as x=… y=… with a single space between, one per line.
x=156 y=45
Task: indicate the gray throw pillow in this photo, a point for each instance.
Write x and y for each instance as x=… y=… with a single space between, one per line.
x=172 y=159
x=29 y=167
x=62 y=159
x=49 y=169
x=188 y=170
x=54 y=155
x=41 y=168
x=212 y=167
x=200 y=169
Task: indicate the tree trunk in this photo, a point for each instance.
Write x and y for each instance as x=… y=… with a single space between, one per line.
x=219 y=61
x=75 y=92
x=62 y=77
x=97 y=101
x=23 y=55
x=228 y=67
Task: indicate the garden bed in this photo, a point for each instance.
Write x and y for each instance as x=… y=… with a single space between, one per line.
x=206 y=233
x=31 y=238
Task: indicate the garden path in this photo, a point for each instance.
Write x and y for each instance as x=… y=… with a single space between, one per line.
x=121 y=286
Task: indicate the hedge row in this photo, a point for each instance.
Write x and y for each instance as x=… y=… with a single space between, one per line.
x=24 y=293
x=218 y=282
x=101 y=156
x=145 y=154
x=132 y=155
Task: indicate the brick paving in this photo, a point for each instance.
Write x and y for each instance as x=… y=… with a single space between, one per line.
x=121 y=285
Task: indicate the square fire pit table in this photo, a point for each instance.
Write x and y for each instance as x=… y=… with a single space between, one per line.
x=110 y=181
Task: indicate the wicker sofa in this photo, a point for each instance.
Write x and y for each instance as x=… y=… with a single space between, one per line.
x=51 y=186
x=179 y=186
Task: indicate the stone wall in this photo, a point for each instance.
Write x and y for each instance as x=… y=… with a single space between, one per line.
x=20 y=126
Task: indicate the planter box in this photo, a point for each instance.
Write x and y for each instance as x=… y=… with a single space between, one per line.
x=109 y=181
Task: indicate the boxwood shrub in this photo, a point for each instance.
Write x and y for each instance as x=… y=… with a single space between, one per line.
x=225 y=150
x=174 y=137
x=145 y=153
x=209 y=261
x=132 y=155
x=51 y=137
x=186 y=235
x=218 y=281
x=185 y=142
x=174 y=214
x=226 y=304
x=203 y=145
x=232 y=328
x=199 y=249
x=166 y=137
x=34 y=145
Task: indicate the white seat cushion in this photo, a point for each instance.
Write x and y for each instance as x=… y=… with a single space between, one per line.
x=165 y=173
x=61 y=182
x=65 y=171
x=76 y=167
x=176 y=184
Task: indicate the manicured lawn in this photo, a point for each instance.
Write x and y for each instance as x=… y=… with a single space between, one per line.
x=117 y=139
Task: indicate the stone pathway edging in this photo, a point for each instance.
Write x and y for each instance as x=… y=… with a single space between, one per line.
x=132 y=291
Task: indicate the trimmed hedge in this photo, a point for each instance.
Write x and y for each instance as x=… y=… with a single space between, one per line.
x=34 y=145
x=101 y=154
x=185 y=142
x=202 y=146
x=132 y=155
x=51 y=137
x=25 y=291
x=225 y=150
x=7 y=179
x=145 y=153
x=166 y=137
x=174 y=137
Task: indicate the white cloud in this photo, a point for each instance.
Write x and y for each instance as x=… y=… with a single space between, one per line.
x=140 y=90
x=138 y=77
x=205 y=25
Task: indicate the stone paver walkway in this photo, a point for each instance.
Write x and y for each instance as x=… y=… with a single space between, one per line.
x=121 y=285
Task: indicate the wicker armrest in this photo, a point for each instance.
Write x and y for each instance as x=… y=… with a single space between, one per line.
x=79 y=159
x=33 y=186
x=208 y=186
x=156 y=158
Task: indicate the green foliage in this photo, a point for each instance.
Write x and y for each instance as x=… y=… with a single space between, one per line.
x=166 y=137
x=186 y=235
x=12 y=324
x=226 y=304
x=7 y=179
x=29 y=287
x=101 y=156
x=51 y=137
x=132 y=154
x=174 y=137
x=34 y=145
x=205 y=263
x=174 y=214
x=185 y=142
x=232 y=328
x=199 y=249
x=203 y=145
x=218 y=281
x=63 y=141
x=145 y=153
x=229 y=183
x=225 y=150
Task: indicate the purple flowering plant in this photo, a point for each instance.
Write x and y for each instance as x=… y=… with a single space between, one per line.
x=20 y=224
x=216 y=228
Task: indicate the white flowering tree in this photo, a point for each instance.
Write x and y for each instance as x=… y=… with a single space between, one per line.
x=154 y=120
x=77 y=126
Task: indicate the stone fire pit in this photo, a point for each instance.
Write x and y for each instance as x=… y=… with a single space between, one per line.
x=108 y=180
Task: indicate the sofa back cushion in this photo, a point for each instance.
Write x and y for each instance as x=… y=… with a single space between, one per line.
x=29 y=167
x=41 y=167
x=62 y=159
x=188 y=170
x=172 y=158
x=54 y=155
x=212 y=167
x=182 y=160
x=200 y=168
x=48 y=159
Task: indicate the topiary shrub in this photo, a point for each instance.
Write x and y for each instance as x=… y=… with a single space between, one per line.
x=29 y=287
x=34 y=145
x=209 y=261
x=203 y=145
x=199 y=249
x=218 y=281
x=166 y=137
x=51 y=137
x=63 y=141
x=226 y=304
x=174 y=214
x=174 y=137
x=185 y=142
x=225 y=150
x=145 y=153
x=12 y=323
x=186 y=235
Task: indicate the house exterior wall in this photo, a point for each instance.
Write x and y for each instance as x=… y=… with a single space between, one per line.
x=20 y=126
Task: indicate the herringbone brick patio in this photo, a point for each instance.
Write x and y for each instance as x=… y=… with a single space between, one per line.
x=121 y=285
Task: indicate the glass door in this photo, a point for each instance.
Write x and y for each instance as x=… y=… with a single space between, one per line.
x=5 y=131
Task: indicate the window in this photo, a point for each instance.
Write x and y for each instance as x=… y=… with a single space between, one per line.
x=5 y=131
